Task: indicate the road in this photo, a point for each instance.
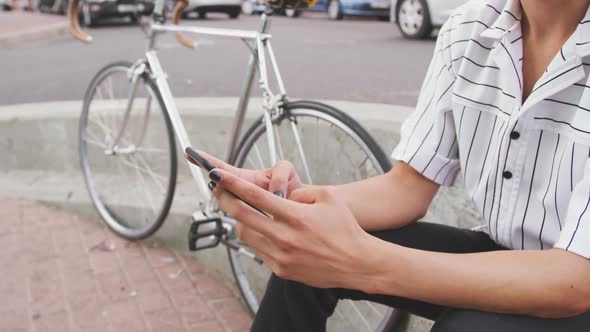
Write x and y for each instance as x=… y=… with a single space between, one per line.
x=362 y=60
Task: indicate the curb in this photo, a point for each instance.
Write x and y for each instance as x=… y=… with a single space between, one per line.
x=31 y=35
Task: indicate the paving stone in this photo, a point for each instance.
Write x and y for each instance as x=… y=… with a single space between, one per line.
x=70 y=273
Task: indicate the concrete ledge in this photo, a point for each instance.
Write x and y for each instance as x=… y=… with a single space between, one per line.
x=39 y=145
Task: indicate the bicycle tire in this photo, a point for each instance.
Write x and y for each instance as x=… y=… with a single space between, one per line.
x=391 y=319
x=115 y=221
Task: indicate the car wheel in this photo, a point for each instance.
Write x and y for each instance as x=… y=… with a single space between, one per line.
x=292 y=12
x=335 y=10
x=202 y=15
x=234 y=14
x=413 y=19
x=247 y=8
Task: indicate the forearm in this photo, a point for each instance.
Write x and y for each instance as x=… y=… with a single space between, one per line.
x=551 y=283
x=388 y=201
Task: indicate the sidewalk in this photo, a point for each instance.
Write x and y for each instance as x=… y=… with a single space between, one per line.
x=63 y=272
x=18 y=27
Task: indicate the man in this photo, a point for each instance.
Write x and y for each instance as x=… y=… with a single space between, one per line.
x=506 y=103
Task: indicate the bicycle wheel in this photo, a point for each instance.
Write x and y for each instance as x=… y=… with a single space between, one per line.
x=131 y=184
x=337 y=150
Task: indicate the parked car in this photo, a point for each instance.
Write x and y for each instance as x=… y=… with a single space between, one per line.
x=6 y=5
x=337 y=9
x=92 y=11
x=417 y=18
x=251 y=7
x=95 y=10
x=233 y=8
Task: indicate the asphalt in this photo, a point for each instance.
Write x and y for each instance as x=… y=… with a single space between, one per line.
x=361 y=60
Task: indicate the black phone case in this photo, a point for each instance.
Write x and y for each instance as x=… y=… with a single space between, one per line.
x=199 y=159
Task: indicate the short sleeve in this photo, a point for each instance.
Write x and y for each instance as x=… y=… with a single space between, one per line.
x=428 y=140
x=575 y=234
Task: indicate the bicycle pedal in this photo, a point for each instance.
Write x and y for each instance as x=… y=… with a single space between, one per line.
x=209 y=230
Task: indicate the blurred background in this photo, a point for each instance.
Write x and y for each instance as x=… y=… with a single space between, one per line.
x=339 y=49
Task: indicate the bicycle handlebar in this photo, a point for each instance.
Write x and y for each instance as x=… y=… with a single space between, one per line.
x=73 y=10
x=178 y=9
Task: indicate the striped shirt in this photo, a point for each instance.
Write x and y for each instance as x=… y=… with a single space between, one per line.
x=525 y=165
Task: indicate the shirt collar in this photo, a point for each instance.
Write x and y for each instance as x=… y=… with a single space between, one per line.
x=582 y=36
x=508 y=19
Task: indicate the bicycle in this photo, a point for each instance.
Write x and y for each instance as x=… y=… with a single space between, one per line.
x=127 y=133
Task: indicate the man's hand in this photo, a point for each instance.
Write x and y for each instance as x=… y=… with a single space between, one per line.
x=312 y=238
x=280 y=179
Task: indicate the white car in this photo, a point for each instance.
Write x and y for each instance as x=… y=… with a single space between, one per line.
x=233 y=8
x=417 y=18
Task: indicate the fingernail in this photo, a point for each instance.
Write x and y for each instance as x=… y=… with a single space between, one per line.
x=280 y=194
x=212 y=185
x=213 y=175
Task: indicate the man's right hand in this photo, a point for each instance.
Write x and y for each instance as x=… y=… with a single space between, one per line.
x=281 y=179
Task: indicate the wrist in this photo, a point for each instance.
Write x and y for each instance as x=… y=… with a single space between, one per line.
x=380 y=262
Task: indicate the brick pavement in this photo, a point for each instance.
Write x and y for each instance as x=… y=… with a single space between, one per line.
x=64 y=272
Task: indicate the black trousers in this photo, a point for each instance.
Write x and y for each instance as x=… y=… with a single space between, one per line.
x=290 y=306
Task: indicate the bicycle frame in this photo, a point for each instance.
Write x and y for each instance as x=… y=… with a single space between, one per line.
x=258 y=61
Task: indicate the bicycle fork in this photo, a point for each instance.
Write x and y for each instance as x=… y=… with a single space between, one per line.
x=135 y=73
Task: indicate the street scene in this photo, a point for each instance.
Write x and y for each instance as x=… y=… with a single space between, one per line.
x=97 y=245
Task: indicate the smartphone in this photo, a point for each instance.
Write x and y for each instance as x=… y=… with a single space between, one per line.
x=201 y=161
x=198 y=159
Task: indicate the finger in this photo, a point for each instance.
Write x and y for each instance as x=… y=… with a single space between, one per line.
x=215 y=162
x=246 y=215
x=262 y=199
x=279 y=179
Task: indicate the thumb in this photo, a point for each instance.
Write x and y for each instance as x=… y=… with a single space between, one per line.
x=310 y=195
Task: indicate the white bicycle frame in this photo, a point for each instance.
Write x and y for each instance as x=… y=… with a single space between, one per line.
x=260 y=46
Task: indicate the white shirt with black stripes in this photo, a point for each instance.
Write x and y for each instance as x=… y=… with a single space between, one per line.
x=526 y=165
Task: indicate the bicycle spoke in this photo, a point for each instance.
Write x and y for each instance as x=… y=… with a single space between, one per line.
x=143 y=185
x=363 y=319
x=151 y=150
x=278 y=140
x=146 y=171
x=299 y=144
x=259 y=156
x=372 y=307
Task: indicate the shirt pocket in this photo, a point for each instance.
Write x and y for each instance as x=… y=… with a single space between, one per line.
x=563 y=119
x=482 y=92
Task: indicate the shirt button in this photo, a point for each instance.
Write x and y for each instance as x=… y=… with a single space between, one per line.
x=515 y=135
x=507 y=175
